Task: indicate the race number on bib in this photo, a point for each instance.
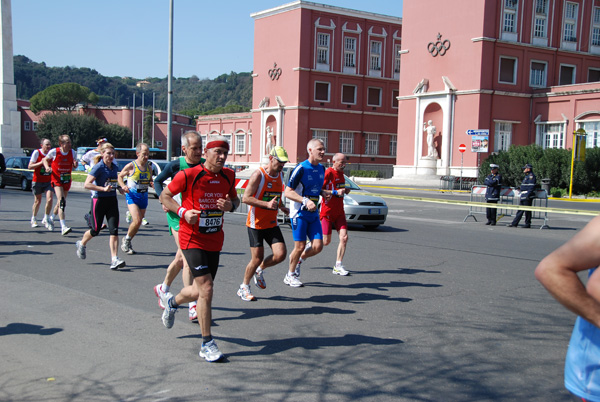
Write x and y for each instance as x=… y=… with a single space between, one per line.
x=210 y=221
x=65 y=177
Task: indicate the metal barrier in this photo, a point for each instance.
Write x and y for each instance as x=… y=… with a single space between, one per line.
x=508 y=196
x=449 y=183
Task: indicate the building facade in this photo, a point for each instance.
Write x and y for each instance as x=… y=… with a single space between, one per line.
x=320 y=72
x=526 y=71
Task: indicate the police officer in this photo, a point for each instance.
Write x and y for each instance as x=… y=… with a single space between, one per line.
x=526 y=198
x=494 y=183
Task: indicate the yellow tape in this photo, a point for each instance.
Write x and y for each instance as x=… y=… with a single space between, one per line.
x=486 y=205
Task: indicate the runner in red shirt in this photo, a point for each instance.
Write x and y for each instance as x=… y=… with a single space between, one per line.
x=41 y=183
x=63 y=160
x=332 y=211
x=208 y=191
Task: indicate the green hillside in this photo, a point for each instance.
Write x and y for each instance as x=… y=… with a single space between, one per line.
x=227 y=93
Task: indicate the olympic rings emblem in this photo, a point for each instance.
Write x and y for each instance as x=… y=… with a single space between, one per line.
x=275 y=72
x=439 y=47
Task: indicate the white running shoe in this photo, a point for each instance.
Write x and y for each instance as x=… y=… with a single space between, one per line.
x=192 y=313
x=128 y=217
x=244 y=293
x=50 y=225
x=34 y=223
x=292 y=280
x=160 y=294
x=66 y=230
x=80 y=250
x=339 y=270
x=168 y=316
x=210 y=351
x=117 y=263
x=259 y=279
x=126 y=246
x=144 y=221
x=44 y=221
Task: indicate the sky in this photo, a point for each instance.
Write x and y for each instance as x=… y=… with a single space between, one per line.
x=130 y=38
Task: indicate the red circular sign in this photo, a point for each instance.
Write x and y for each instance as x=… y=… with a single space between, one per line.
x=462 y=147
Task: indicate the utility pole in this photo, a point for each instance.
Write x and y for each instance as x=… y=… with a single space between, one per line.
x=170 y=86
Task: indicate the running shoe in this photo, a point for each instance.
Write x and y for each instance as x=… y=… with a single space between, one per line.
x=192 y=313
x=44 y=221
x=117 y=263
x=50 y=225
x=168 y=316
x=308 y=246
x=339 y=270
x=66 y=230
x=126 y=246
x=144 y=221
x=159 y=293
x=128 y=217
x=244 y=293
x=292 y=280
x=80 y=250
x=297 y=270
x=210 y=351
x=259 y=279
x=34 y=223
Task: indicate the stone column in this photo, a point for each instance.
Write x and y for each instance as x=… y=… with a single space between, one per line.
x=10 y=117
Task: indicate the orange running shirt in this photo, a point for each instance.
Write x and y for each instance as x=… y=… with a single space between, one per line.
x=268 y=188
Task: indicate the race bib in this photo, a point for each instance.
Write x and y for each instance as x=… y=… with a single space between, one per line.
x=45 y=172
x=210 y=221
x=269 y=195
x=114 y=183
x=65 y=177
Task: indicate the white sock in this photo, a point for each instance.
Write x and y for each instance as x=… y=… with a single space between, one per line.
x=63 y=223
x=300 y=261
x=128 y=237
x=338 y=263
x=165 y=288
x=192 y=304
x=46 y=217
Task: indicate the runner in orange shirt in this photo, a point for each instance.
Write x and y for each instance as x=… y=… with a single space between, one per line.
x=263 y=196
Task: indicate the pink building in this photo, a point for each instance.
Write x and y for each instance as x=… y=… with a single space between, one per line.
x=527 y=71
x=122 y=116
x=319 y=71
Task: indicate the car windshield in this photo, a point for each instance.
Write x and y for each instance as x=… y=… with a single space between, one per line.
x=350 y=184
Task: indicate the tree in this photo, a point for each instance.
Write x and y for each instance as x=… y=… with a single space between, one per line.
x=62 y=96
x=83 y=130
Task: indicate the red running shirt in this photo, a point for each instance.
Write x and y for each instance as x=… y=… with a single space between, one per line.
x=200 y=190
x=334 y=180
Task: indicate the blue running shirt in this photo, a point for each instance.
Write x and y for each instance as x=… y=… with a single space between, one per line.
x=306 y=180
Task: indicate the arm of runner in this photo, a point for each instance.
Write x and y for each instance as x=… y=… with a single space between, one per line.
x=249 y=194
x=558 y=273
x=75 y=161
x=167 y=173
x=127 y=170
x=32 y=164
x=89 y=185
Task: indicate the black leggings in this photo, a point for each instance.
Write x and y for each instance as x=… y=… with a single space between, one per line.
x=106 y=207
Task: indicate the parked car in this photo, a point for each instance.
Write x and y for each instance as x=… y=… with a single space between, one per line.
x=17 y=174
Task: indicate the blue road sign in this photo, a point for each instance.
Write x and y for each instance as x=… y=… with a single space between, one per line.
x=478 y=132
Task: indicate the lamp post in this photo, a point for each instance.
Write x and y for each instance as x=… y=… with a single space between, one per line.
x=578 y=153
x=170 y=85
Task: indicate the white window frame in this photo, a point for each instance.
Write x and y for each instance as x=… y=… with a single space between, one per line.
x=346 y=142
x=240 y=143
x=502 y=135
x=375 y=52
x=515 y=69
x=380 y=94
x=551 y=135
x=204 y=139
x=350 y=52
x=569 y=26
x=228 y=136
x=323 y=48
x=540 y=23
x=592 y=128
x=393 y=145
x=27 y=125
x=574 y=67
x=371 y=144
x=397 y=60
x=509 y=20
x=328 y=92
x=34 y=126
x=342 y=94
x=321 y=135
x=537 y=80
x=595 y=31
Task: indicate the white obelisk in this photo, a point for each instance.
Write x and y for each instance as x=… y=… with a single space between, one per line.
x=10 y=117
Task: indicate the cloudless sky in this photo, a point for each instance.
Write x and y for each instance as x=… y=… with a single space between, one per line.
x=130 y=38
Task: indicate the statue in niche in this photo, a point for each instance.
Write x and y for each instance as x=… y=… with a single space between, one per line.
x=429 y=128
x=270 y=140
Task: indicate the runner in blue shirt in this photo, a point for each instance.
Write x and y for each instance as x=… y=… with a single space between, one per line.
x=303 y=190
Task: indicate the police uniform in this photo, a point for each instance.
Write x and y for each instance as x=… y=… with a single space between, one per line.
x=526 y=198
x=492 y=194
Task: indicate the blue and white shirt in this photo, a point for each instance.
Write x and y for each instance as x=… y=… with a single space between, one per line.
x=306 y=180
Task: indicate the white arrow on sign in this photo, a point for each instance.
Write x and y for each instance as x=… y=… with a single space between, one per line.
x=478 y=132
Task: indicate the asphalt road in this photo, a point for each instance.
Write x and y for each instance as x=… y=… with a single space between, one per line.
x=435 y=310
